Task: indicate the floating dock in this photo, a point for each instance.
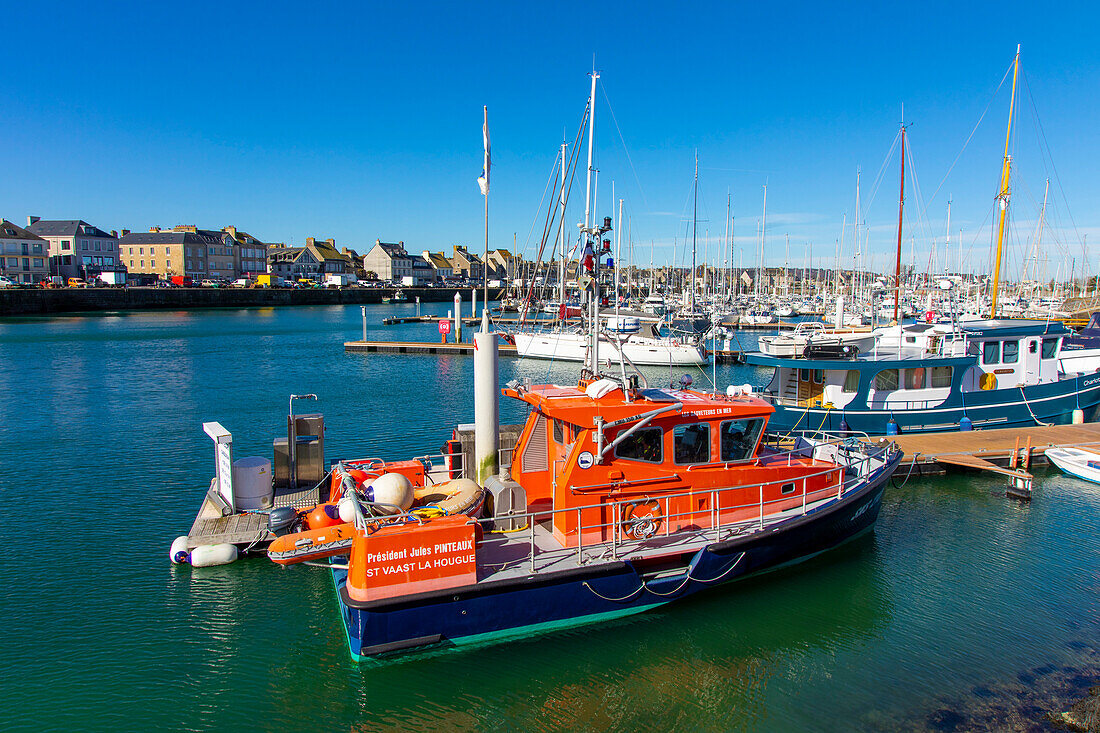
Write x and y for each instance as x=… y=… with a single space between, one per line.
x=466 y=320
x=419 y=347
x=243 y=529
x=989 y=450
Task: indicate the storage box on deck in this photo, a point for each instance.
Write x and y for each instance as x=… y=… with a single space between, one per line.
x=412 y=558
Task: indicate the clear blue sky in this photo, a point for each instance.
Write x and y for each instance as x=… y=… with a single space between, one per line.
x=363 y=122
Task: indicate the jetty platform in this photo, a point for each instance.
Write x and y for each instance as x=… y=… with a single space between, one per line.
x=1007 y=451
x=419 y=347
x=243 y=529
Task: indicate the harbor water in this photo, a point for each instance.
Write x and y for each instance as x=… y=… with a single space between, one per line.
x=962 y=610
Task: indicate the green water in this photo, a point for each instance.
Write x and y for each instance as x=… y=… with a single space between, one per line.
x=962 y=602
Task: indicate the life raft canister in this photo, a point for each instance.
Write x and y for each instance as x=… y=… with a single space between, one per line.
x=642 y=519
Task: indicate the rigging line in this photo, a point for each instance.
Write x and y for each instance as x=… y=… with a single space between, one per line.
x=549 y=181
x=878 y=178
x=623 y=141
x=542 y=246
x=1057 y=179
x=970 y=136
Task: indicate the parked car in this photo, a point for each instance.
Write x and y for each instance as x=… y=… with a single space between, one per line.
x=6 y=282
x=76 y=282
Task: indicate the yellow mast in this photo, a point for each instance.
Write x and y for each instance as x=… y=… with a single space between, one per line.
x=1003 y=195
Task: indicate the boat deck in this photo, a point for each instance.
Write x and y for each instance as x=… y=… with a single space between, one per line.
x=536 y=551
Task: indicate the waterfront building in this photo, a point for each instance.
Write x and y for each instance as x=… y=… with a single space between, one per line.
x=441 y=266
x=312 y=262
x=24 y=255
x=332 y=261
x=251 y=253
x=389 y=261
x=179 y=251
x=76 y=248
x=503 y=265
x=293 y=263
x=466 y=264
x=185 y=249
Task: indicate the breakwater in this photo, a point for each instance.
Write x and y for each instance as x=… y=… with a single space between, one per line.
x=21 y=302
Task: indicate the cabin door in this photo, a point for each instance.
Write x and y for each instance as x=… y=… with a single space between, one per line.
x=1031 y=360
x=811 y=386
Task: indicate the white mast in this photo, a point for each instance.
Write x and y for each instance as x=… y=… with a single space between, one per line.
x=561 y=230
x=594 y=325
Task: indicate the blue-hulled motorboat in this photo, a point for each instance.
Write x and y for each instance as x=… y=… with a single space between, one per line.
x=932 y=378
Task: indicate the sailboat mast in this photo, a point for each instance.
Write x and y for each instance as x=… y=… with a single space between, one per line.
x=901 y=207
x=694 y=226
x=763 y=230
x=594 y=315
x=561 y=230
x=1003 y=195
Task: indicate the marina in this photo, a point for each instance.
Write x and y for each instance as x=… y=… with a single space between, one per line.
x=560 y=381
x=949 y=537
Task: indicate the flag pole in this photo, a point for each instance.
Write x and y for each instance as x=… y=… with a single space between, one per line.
x=485 y=266
x=484 y=181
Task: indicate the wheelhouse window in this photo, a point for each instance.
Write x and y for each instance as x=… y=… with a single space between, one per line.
x=941 y=376
x=914 y=378
x=886 y=380
x=991 y=352
x=643 y=445
x=851 y=381
x=1050 y=348
x=819 y=376
x=691 y=443
x=559 y=433
x=1010 y=352
x=737 y=438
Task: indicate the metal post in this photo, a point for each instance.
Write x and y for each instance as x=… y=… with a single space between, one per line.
x=761 y=506
x=364 y=309
x=458 y=318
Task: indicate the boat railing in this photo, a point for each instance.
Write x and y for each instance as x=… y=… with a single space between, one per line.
x=713 y=519
x=854 y=459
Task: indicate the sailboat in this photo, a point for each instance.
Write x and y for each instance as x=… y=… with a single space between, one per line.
x=633 y=336
x=961 y=375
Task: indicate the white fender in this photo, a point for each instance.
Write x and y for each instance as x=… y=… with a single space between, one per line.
x=206 y=556
x=178 y=554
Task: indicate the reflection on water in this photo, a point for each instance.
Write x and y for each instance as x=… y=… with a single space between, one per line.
x=957 y=590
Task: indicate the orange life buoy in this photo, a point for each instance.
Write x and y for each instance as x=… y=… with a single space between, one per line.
x=642 y=519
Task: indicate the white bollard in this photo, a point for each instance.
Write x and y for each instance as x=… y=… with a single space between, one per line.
x=838 y=319
x=458 y=318
x=486 y=402
x=473 y=303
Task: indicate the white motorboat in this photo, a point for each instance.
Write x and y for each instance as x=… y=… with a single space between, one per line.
x=1083 y=463
x=643 y=346
x=813 y=333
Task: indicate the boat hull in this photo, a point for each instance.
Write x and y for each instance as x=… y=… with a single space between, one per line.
x=1051 y=403
x=574 y=347
x=525 y=605
x=1075 y=462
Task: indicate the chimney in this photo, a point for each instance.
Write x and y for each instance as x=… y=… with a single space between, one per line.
x=31 y=220
x=154 y=230
x=114 y=234
x=331 y=242
x=310 y=240
x=232 y=231
x=125 y=232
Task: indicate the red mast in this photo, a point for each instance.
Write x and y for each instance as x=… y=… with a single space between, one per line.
x=901 y=206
